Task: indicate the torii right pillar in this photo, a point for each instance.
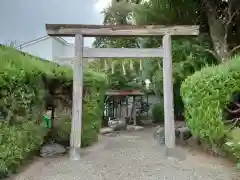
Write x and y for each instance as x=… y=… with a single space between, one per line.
x=169 y=123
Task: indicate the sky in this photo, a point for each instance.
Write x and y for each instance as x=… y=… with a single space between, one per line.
x=24 y=20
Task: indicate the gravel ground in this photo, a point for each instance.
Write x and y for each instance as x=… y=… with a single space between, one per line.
x=130 y=156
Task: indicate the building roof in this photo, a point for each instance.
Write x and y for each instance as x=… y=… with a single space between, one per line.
x=42 y=39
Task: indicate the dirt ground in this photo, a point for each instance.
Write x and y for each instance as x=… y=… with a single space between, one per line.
x=130 y=156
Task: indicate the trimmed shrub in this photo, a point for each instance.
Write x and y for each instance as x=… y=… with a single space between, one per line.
x=23 y=88
x=206 y=94
x=93 y=109
x=26 y=83
x=18 y=143
x=232 y=145
x=158 y=113
x=23 y=92
x=94 y=91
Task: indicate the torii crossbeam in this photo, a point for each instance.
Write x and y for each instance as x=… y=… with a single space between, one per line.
x=80 y=31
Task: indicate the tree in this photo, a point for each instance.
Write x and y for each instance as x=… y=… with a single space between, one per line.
x=222 y=19
x=217 y=18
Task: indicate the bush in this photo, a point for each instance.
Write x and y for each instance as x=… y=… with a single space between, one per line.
x=206 y=94
x=92 y=111
x=189 y=56
x=94 y=87
x=17 y=144
x=232 y=145
x=158 y=113
x=23 y=87
x=62 y=132
x=26 y=82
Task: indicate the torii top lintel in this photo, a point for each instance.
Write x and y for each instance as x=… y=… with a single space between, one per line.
x=120 y=30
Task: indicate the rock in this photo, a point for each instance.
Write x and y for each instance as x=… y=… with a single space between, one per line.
x=134 y=128
x=183 y=133
x=117 y=124
x=159 y=134
x=106 y=130
x=51 y=150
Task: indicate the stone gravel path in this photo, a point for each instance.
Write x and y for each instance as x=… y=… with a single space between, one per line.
x=130 y=156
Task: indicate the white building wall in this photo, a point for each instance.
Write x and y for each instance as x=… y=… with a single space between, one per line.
x=58 y=49
x=52 y=49
x=42 y=49
x=69 y=50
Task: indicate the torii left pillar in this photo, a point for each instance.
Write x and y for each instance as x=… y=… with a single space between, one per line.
x=75 y=143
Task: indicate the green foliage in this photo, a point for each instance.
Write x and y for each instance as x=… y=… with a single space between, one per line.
x=188 y=57
x=25 y=83
x=92 y=112
x=124 y=82
x=167 y=12
x=18 y=143
x=95 y=86
x=22 y=84
x=205 y=95
x=62 y=131
x=116 y=79
x=158 y=113
x=233 y=144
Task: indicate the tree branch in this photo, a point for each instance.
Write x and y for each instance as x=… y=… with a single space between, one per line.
x=234 y=121
x=233 y=111
x=213 y=53
x=233 y=50
x=227 y=26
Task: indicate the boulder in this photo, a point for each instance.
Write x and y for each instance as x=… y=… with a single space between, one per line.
x=106 y=130
x=159 y=135
x=117 y=124
x=183 y=133
x=52 y=150
x=134 y=128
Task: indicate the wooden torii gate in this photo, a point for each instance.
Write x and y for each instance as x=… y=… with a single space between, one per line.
x=80 y=31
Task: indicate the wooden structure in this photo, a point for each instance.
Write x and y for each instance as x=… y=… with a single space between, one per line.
x=120 y=105
x=81 y=31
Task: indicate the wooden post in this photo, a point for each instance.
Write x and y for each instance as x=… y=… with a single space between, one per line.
x=168 y=94
x=76 y=130
x=134 y=111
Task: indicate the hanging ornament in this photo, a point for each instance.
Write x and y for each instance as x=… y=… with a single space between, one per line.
x=105 y=65
x=124 y=70
x=159 y=65
x=131 y=64
x=141 y=65
x=113 y=67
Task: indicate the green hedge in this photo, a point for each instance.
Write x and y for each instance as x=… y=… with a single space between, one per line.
x=232 y=146
x=25 y=82
x=95 y=85
x=205 y=95
x=18 y=143
x=22 y=79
